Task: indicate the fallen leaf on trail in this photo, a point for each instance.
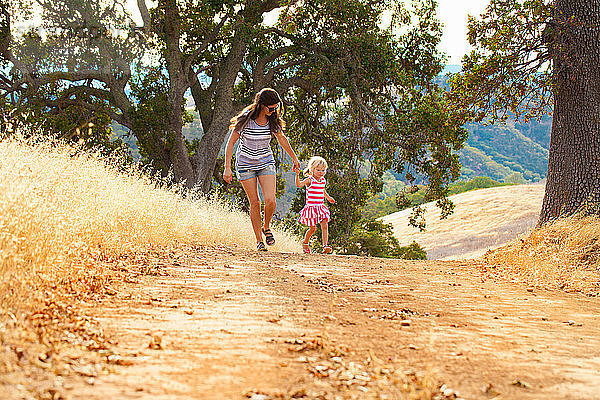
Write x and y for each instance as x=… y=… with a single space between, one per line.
x=519 y=383
x=448 y=393
x=156 y=343
x=19 y=352
x=301 y=393
x=273 y=320
x=118 y=360
x=490 y=390
x=573 y=323
x=45 y=356
x=189 y=312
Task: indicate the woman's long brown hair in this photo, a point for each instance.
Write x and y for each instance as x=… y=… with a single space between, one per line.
x=267 y=97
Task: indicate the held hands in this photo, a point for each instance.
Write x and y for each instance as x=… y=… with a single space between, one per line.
x=227 y=175
x=296 y=167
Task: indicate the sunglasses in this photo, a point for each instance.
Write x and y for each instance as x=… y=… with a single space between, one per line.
x=273 y=108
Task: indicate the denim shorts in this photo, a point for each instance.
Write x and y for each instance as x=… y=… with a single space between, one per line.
x=243 y=174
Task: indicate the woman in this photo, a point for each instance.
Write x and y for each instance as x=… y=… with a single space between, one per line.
x=255 y=164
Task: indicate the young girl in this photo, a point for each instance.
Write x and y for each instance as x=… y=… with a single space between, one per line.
x=315 y=211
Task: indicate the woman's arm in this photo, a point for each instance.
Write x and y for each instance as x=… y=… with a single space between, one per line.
x=284 y=142
x=329 y=198
x=227 y=174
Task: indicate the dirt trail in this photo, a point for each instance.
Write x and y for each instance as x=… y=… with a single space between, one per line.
x=232 y=325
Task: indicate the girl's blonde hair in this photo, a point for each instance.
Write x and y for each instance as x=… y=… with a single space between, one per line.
x=313 y=163
x=267 y=97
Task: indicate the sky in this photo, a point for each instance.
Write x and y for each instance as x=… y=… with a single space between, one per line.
x=452 y=13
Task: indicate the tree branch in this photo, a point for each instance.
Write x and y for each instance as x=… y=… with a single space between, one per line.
x=189 y=60
x=147 y=27
x=120 y=118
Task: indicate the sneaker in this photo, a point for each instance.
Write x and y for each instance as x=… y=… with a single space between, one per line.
x=260 y=246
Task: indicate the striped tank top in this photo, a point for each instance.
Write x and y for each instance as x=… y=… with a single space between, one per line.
x=254 y=149
x=315 y=193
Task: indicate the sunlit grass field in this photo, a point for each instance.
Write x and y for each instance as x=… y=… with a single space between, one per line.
x=59 y=207
x=482 y=219
x=70 y=222
x=495 y=227
x=563 y=255
x=62 y=210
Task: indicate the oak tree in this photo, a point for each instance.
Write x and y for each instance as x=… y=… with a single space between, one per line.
x=359 y=93
x=536 y=57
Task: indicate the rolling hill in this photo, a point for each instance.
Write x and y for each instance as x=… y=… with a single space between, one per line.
x=482 y=219
x=507 y=152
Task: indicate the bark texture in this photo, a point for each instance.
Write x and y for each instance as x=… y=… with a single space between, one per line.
x=573 y=182
x=205 y=157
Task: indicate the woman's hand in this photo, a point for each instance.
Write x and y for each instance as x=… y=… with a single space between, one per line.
x=296 y=167
x=331 y=200
x=227 y=175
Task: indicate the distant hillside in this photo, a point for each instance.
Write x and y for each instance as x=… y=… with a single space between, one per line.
x=507 y=152
x=482 y=219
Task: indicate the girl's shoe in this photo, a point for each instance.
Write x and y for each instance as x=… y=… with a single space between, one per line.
x=327 y=249
x=305 y=248
x=260 y=246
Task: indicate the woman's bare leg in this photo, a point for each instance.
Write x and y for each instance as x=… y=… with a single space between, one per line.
x=251 y=188
x=267 y=185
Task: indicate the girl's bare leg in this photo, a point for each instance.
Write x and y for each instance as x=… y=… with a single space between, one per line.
x=324 y=232
x=311 y=230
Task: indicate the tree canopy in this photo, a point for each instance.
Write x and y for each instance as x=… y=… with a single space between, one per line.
x=536 y=57
x=356 y=92
x=509 y=72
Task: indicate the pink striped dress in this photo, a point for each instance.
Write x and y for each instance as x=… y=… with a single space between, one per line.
x=315 y=209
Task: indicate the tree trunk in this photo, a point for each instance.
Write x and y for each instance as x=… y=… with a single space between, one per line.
x=182 y=167
x=573 y=182
x=205 y=157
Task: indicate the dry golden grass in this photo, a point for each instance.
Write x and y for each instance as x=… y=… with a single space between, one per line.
x=69 y=222
x=58 y=207
x=55 y=203
x=562 y=255
x=482 y=219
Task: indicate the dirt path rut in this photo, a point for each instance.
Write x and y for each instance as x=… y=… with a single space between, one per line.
x=236 y=325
